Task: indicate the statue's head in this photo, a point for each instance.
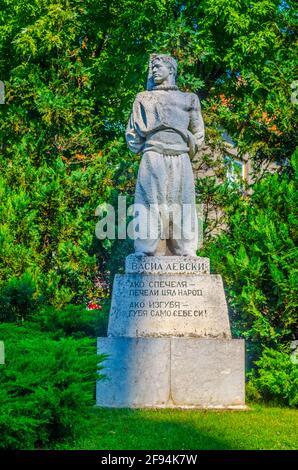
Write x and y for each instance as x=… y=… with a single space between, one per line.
x=162 y=68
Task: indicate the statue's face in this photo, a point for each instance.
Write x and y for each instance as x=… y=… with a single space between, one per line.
x=160 y=72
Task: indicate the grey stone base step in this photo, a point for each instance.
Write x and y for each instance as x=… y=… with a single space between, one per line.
x=172 y=373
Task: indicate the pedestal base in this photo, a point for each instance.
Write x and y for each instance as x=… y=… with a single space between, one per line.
x=172 y=373
x=157 y=305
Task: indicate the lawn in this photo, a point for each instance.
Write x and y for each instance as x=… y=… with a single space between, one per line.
x=258 y=428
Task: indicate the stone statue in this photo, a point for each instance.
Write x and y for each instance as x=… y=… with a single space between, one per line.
x=169 y=342
x=167 y=126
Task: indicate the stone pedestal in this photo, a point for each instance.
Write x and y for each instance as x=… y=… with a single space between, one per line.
x=169 y=341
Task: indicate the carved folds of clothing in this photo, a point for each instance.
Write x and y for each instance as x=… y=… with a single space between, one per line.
x=167 y=126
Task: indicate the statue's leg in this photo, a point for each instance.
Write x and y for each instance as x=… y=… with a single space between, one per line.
x=149 y=195
x=184 y=235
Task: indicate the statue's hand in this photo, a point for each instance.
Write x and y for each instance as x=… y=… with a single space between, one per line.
x=191 y=142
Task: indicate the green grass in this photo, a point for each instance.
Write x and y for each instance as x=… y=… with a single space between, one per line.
x=259 y=428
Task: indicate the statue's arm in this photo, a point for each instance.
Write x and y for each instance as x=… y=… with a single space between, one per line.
x=196 y=123
x=134 y=140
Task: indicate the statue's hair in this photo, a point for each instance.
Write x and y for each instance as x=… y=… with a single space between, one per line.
x=167 y=60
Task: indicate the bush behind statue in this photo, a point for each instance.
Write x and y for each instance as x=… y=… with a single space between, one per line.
x=50 y=254
x=73 y=320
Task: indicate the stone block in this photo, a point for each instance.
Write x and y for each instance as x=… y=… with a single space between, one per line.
x=137 y=372
x=190 y=305
x=172 y=373
x=207 y=373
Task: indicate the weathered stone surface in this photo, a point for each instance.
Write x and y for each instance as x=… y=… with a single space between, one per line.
x=166 y=265
x=207 y=373
x=138 y=372
x=172 y=372
x=169 y=305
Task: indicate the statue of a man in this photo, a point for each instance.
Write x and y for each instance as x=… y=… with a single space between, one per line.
x=167 y=126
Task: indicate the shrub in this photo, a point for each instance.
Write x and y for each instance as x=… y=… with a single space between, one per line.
x=74 y=320
x=276 y=379
x=47 y=386
x=18 y=298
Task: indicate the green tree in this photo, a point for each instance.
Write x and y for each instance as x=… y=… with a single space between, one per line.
x=257 y=256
